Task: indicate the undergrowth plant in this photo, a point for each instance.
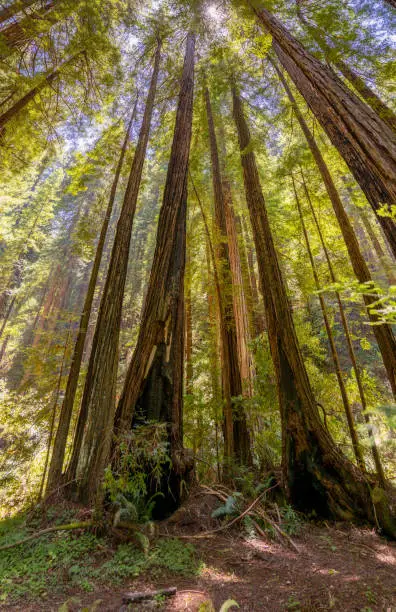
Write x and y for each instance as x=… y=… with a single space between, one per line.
x=66 y=561
x=143 y=455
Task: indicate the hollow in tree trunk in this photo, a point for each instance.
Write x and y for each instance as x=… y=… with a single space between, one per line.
x=153 y=384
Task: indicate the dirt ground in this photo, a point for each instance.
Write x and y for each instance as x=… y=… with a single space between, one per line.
x=338 y=567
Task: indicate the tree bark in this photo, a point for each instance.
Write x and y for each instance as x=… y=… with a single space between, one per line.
x=317 y=475
x=383 y=333
x=58 y=453
x=334 y=354
x=368 y=95
x=156 y=306
x=153 y=384
x=92 y=440
x=367 y=145
x=236 y=435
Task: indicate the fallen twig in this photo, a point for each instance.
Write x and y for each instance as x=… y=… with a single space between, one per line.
x=279 y=530
x=69 y=527
x=222 y=527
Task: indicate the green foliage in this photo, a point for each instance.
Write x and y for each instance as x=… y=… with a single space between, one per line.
x=65 y=560
x=32 y=570
x=227 y=605
x=230 y=507
x=291 y=521
x=170 y=554
x=143 y=455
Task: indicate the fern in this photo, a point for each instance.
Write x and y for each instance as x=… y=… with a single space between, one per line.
x=228 y=509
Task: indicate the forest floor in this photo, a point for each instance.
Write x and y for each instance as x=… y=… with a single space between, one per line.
x=338 y=567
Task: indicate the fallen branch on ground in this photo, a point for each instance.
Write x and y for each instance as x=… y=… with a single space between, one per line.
x=257 y=514
x=83 y=525
x=222 y=527
x=133 y=597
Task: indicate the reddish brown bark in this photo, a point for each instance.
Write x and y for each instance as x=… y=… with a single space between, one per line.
x=238 y=293
x=153 y=385
x=318 y=476
x=94 y=426
x=383 y=333
x=368 y=95
x=367 y=145
x=58 y=453
x=156 y=307
x=236 y=435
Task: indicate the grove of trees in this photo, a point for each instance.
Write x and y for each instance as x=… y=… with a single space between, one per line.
x=197 y=252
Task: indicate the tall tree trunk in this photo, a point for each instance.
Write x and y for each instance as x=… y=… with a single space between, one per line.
x=30 y=95
x=153 y=384
x=92 y=440
x=259 y=317
x=368 y=95
x=351 y=350
x=365 y=142
x=58 y=453
x=189 y=339
x=213 y=316
x=345 y=400
x=236 y=435
x=383 y=333
x=247 y=288
x=318 y=476
x=53 y=413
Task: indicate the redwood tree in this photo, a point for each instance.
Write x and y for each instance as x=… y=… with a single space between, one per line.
x=366 y=143
x=94 y=427
x=318 y=477
x=236 y=435
x=153 y=388
x=58 y=453
x=331 y=55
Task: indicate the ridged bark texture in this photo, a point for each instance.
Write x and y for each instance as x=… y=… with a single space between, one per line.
x=317 y=475
x=92 y=441
x=236 y=435
x=383 y=333
x=368 y=95
x=367 y=145
x=154 y=382
x=58 y=453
